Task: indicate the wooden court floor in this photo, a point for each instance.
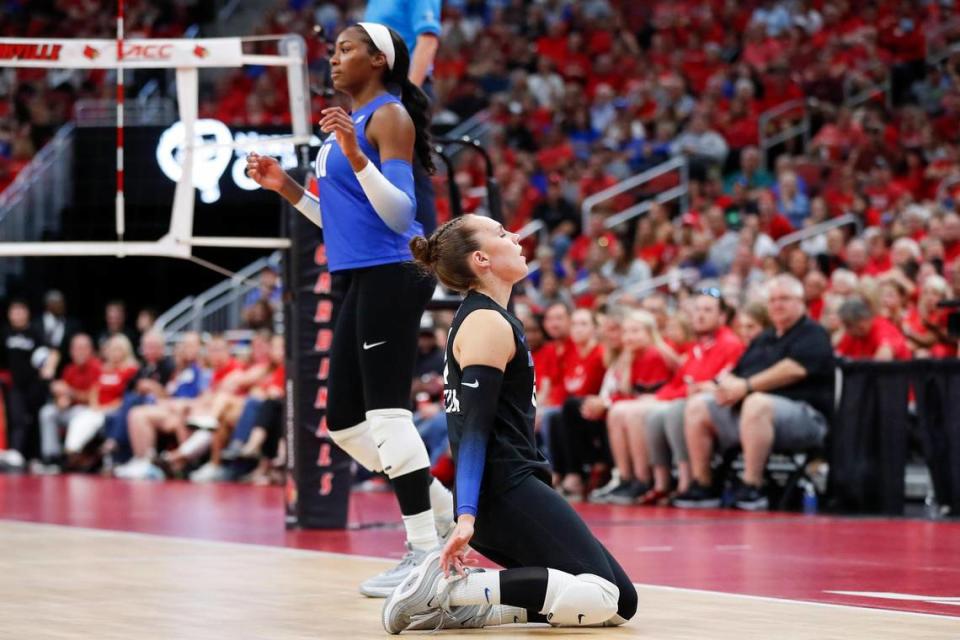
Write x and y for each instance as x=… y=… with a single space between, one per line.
x=69 y=583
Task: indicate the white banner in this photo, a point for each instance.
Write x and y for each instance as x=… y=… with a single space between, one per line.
x=102 y=54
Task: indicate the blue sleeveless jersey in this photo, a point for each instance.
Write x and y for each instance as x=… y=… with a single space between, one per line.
x=355 y=236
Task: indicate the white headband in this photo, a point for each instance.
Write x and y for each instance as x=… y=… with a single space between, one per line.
x=381 y=40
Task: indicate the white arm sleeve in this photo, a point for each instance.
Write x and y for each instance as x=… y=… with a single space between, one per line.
x=309 y=206
x=392 y=204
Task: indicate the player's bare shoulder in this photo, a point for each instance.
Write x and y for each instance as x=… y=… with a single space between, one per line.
x=484 y=337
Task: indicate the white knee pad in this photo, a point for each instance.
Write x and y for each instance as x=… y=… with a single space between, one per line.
x=400 y=446
x=358 y=443
x=578 y=601
x=82 y=429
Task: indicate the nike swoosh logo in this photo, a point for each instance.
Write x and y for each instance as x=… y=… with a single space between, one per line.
x=476 y=383
x=380 y=444
x=430 y=603
x=373 y=344
x=486 y=594
x=580 y=618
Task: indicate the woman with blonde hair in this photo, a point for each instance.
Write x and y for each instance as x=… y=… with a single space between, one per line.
x=119 y=368
x=925 y=325
x=751 y=320
x=640 y=370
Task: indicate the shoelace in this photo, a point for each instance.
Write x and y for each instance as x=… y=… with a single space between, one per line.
x=444 y=595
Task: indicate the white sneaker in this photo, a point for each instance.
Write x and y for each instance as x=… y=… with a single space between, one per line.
x=474 y=616
x=139 y=469
x=471 y=616
x=209 y=472
x=383 y=584
x=12 y=460
x=416 y=595
x=601 y=494
x=39 y=468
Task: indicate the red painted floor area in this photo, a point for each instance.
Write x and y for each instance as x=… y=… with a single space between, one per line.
x=774 y=555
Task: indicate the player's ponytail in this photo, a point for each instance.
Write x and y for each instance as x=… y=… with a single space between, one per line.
x=414 y=100
x=446 y=253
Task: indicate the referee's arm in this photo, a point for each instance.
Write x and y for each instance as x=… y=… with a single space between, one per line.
x=423 y=55
x=425 y=22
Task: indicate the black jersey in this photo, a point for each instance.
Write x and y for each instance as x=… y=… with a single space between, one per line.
x=512 y=452
x=16 y=353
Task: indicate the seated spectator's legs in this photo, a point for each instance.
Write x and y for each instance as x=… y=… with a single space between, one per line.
x=52 y=420
x=116 y=428
x=547 y=416
x=673 y=427
x=82 y=429
x=774 y=423
x=624 y=428
x=617 y=431
x=658 y=441
x=146 y=421
x=560 y=449
x=270 y=422
x=264 y=441
x=247 y=420
x=577 y=442
x=699 y=432
x=756 y=435
x=636 y=415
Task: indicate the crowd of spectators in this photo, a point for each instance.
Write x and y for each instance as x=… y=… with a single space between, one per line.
x=207 y=408
x=580 y=95
x=34 y=103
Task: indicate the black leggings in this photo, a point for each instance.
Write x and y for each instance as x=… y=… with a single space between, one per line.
x=530 y=525
x=375 y=340
x=576 y=442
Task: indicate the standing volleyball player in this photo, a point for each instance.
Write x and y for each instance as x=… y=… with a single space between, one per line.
x=366 y=209
x=556 y=570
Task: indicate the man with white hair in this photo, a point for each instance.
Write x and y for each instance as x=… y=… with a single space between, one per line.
x=843 y=282
x=779 y=396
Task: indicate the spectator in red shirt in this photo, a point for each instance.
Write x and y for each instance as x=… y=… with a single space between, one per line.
x=597 y=234
x=104 y=396
x=855 y=256
x=893 y=300
x=878 y=261
x=556 y=326
x=950 y=235
x=925 y=325
x=772 y=222
x=577 y=442
x=868 y=336
x=838 y=136
x=814 y=286
x=70 y=394
x=639 y=370
x=655 y=421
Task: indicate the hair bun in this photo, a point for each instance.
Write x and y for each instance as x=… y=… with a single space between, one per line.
x=422 y=252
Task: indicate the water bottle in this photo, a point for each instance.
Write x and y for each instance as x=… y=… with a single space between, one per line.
x=809 y=496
